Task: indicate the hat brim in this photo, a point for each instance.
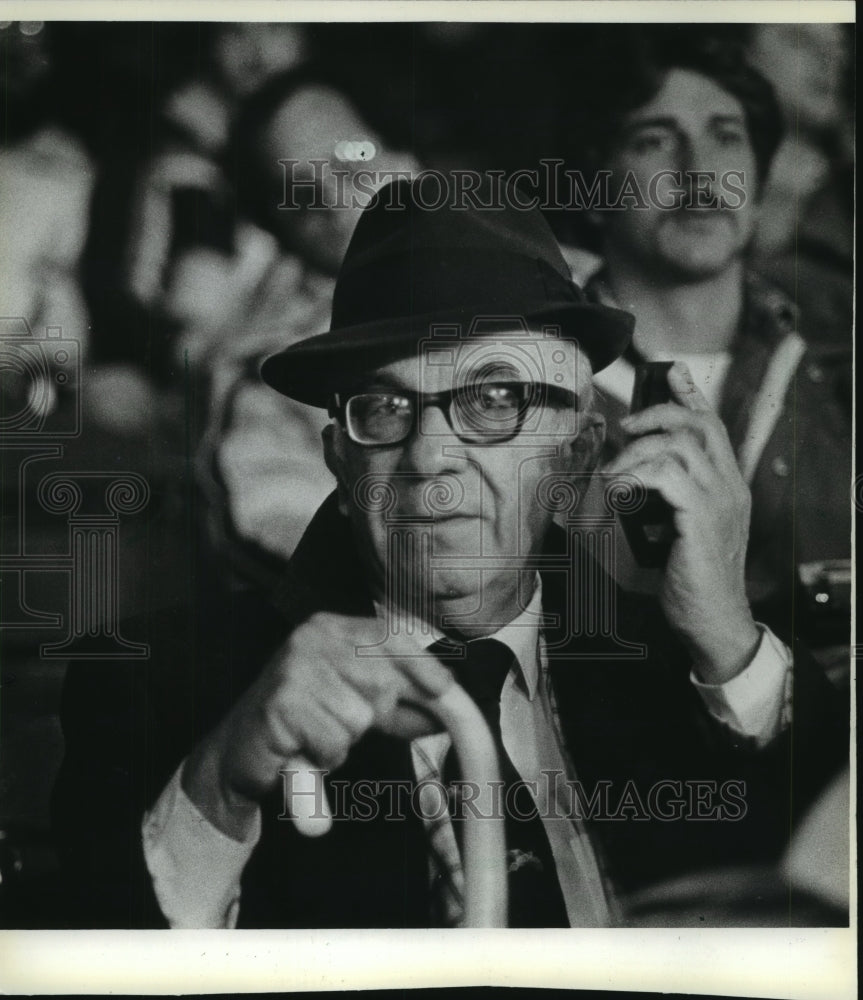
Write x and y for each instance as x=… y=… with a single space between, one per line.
x=311 y=370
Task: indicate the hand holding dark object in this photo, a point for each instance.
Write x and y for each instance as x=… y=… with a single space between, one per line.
x=682 y=451
x=311 y=703
x=650 y=529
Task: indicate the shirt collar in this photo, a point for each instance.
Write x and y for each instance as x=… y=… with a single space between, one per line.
x=521 y=635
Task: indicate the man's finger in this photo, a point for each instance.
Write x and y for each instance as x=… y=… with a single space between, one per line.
x=668 y=477
x=424 y=672
x=399 y=661
x=684 y=390
x=681 y=446
x=350 y=705
x=308 y=803
x=322 y=736
x=668 y=418
x=427 y=674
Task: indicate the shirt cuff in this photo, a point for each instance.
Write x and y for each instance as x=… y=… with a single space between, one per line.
x=195 y=868
x=755 y=703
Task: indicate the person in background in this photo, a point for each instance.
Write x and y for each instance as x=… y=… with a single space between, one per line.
x=46 y=183
x=805 y=235
x=258 y=462
x=684 y=104
x=165 y=203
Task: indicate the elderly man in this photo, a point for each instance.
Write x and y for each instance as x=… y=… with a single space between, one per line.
x=457 y=372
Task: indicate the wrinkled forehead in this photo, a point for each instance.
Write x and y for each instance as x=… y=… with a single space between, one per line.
x=441 y=363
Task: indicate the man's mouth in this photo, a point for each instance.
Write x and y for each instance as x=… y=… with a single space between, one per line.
x=452 y=519
x=700 y=217
x=455 y=520
x=415 y=512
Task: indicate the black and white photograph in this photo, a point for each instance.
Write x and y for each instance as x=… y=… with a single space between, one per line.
x=427 y=474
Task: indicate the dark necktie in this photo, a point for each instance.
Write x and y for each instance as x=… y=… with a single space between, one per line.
x=535 y=899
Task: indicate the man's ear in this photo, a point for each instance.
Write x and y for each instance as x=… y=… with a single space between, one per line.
x=335 y=463
x=587 y=446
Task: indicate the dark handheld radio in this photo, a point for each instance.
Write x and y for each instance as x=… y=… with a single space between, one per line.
x=650 y=529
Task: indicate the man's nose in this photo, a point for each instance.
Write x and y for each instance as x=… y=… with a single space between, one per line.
x=424 y=451
x=697 y=153
x=698 y=166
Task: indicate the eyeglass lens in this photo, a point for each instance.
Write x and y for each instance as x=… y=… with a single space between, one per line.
x=483 y=411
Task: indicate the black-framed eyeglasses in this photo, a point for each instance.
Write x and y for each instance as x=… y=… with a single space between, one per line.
x=478 y=413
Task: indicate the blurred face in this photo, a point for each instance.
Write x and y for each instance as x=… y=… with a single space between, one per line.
x=696 y=130
x=249 y=54
x=475 y=502
x=805 y=63
x=312 y=125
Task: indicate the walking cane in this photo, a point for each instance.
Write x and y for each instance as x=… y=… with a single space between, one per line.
x=484 y=840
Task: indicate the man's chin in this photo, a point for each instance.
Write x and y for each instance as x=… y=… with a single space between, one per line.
x=463 y=602
x=456 y=587
x=474 y=606
x=697 y=265
x=694 y=252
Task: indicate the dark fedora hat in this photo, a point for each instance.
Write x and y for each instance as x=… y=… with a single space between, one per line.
x=412 y=266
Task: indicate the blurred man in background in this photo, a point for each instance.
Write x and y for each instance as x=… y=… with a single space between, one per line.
x=699 y=146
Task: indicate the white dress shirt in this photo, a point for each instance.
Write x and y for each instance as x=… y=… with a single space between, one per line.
x=196 y=869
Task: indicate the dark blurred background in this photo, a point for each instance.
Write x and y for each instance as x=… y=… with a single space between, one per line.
x=139 y=192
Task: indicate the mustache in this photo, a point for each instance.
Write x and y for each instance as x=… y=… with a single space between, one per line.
x=694 y=195
x=702 y=205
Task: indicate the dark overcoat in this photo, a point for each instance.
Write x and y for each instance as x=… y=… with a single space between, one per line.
x=128 y=725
